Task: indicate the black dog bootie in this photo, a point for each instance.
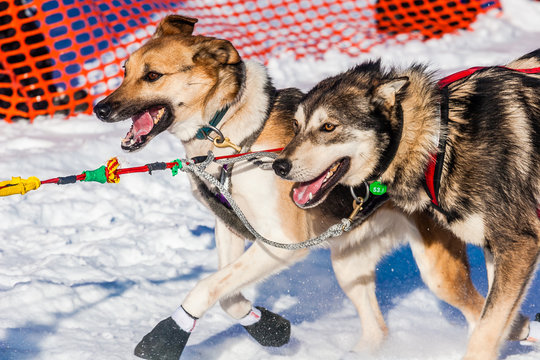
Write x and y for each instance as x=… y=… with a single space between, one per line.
x=271 y=330
x=166 y=341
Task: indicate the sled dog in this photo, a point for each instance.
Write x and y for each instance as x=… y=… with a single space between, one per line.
x=466 y=149
x=180 y=83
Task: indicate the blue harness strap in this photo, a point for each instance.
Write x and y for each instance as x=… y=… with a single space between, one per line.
x=205 y=131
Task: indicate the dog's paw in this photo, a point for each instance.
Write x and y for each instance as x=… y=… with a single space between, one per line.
x=369 y=345
x=533 y=339
x=166 y=341
x=364 y=347
x=271 y=330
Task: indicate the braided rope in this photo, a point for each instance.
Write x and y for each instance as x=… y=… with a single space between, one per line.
x=245 y=157
x=200 y=171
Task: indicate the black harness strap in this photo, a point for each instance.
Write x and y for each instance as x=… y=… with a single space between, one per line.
x=433 y=173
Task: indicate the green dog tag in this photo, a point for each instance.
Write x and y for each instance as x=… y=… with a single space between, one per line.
x=377 y=188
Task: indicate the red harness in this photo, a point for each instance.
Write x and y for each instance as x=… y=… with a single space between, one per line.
x=434 y=169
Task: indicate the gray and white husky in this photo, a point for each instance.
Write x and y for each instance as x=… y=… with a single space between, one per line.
x=467 y=151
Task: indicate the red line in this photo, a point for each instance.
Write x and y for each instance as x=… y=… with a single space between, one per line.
x=251 y=152
x=464 y=73
x=55 y=180
x=527 y=71
x=132 y=170
x=144 y=168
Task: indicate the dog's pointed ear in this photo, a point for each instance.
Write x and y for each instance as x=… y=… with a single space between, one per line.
x=385 y=93
x=175 y=25
x=217 y=51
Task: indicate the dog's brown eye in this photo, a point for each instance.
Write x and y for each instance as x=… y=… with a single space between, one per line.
x=152 y=76
x=296 y=126
x=328 y=127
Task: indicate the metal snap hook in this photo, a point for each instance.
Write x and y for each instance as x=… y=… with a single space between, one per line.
x=356 y=198
x=220 y=138
x=358 y=203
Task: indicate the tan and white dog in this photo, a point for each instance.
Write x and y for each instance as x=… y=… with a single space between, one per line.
x=179 y=82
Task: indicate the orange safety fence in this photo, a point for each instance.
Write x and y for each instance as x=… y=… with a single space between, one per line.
x=61 y=56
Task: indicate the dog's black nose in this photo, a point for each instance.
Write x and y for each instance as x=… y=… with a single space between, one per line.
x=103 y=110
x=282 y=167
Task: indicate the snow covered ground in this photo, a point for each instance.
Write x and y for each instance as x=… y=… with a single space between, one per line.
x=87 y=269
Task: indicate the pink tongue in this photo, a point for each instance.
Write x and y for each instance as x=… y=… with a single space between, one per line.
x=301 y=193
x=142 y=124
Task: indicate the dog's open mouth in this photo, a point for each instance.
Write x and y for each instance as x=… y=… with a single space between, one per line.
x=311 y=193
x=146 y=124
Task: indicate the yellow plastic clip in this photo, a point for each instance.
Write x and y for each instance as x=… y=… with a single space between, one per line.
x=218 y=142
x=19 y=186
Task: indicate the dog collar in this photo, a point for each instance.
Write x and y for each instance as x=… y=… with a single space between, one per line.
x=218 y=116
x=433 y=172
x=368 y=208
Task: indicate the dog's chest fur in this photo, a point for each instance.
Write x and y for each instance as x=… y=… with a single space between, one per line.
x=261 y=120
x=264 y=197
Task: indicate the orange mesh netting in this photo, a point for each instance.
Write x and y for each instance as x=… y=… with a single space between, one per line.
x=431 y=18
x=61 y=56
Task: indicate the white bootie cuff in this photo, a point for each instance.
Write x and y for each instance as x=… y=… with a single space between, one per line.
x=251 y=318
x=184 y=320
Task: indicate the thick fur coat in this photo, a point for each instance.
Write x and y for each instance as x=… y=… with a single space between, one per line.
x=386 y=124
x=178 y=82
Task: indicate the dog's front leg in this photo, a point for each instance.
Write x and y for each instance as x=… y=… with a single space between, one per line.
x=355 y=272
x=267 y=328
x=168 y=339
x=230 y=247
x=256 y=263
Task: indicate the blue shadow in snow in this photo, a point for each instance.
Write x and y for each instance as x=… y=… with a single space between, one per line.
x=194 y=274
x=207 y=348
x=203 y=230
x=312 y=282
x=24 y=343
